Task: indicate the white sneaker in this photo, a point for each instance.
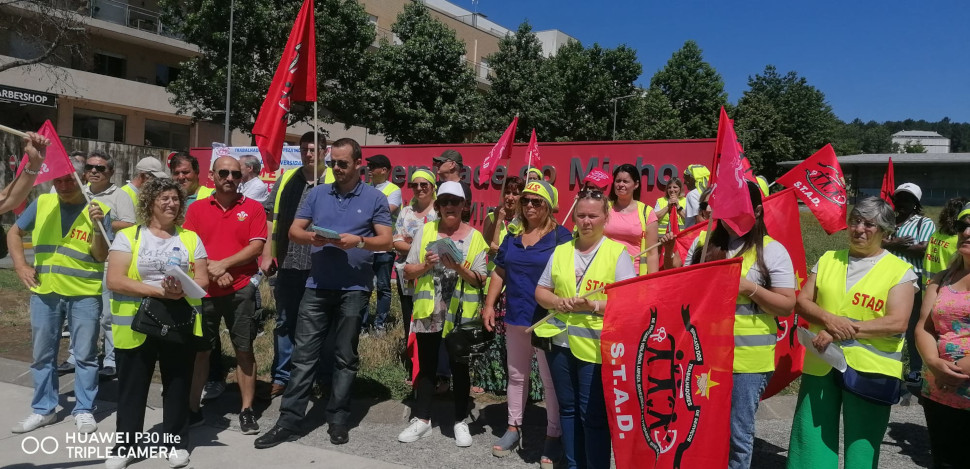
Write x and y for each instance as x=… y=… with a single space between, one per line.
x=463 y=437
x=85 y=423
x=417 y=430
x=213 y=389
x=33 y=422
x=118 y=462
x=178 y=458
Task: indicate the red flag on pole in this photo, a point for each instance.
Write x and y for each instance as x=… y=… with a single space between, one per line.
x=501 y=151
x=686 y=238
x=745 y=163
x=784 y=226
x=532 y=154
x=668 y=358
x=730 y=200
x=56 y=161
x=295 y=81
x=818 y=181
x=888 y=185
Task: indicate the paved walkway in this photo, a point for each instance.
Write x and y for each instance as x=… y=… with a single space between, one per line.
x=373 y=440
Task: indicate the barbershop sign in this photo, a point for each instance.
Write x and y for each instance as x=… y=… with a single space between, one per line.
x=22 y=96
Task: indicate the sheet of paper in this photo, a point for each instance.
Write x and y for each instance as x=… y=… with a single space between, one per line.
x=191 y=289
x=832 y=355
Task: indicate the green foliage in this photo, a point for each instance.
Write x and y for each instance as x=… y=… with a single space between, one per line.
x=422 y=91
x=781 y=118
x=859 y=137
x=651 y=117
x=909 y=147
x=260 y=31
x=694 y=89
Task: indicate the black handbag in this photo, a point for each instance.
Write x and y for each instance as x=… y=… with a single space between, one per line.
x=873 y=387
x=168 y=320
x=468 y=338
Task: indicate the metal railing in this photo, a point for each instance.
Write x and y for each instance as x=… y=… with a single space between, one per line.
x=119 y=12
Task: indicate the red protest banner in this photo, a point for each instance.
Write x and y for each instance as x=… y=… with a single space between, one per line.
x=668 y=357
x=56 y=161
x=782 y=220
x=818 y=181
x=729 y=200
x=501 y=151
x=686 y=238
x=532 y=153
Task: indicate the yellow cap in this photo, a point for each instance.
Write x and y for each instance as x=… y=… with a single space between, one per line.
x=700 y=173
x=536 y=171
x=964 y=212
x=542 y=189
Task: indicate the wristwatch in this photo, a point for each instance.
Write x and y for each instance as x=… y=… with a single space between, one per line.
x=360 y=245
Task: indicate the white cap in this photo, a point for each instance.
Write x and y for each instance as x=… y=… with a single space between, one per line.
x=451 y=188
x=911 y=188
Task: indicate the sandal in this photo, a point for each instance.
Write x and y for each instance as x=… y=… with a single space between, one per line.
x=551 y=452
x=508 y=443
x=478 y=390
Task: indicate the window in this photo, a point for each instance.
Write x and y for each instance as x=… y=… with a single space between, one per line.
x=166 y=135
x=111 y=65
x=99 y=125
x=165 y=74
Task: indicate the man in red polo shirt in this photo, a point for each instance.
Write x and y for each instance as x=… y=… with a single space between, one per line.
x=233 y=231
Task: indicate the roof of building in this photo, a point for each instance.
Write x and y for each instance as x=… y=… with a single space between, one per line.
x=917 y=133
x=898 y=158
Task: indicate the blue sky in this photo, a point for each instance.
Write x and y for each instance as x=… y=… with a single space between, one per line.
x=875 y=60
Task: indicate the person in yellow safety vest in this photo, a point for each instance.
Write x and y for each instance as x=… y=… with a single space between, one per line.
x=766 y=290
x=494 y=232
x=292 y=259
x=763 y=185
x=137 y=266
x=535 y=174
x=696 y=177
x=185 y=171
x=66 y=279
x=379 y=167
x=16 y=191
x=943 y=242
x=571 y=285
x=673 y=196
x=146 y=169
x=859 y=299
x=632 y=223
x=448 y=292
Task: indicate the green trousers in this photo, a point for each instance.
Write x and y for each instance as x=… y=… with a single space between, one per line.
x=814 y=442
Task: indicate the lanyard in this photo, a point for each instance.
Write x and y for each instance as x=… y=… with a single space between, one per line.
x=579 y=281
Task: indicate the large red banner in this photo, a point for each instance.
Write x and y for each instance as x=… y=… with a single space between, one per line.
x=821 y=186
x=668 y=358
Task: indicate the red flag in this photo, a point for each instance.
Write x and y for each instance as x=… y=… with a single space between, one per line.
x=686 y=238
x=730 y=200
x=295 y=81
x=412 y=351
x=745 y=163
x=888 y=185
x=501 y=151
x=819 y=183
x=532 y=154
x=599 y=178
x=782 y=220
x=668 y=359
x=56 y=161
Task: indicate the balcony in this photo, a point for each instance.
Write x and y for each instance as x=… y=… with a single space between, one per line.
x=480 y=69
x=119 y=12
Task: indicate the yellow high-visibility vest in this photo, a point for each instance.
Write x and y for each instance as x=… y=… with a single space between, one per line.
x=465 y=295
x=663 y=222
x=64 y=264
x=939 y=250
x=124 y=307
x=281 y=181
x=130 y=190
x=865 y=301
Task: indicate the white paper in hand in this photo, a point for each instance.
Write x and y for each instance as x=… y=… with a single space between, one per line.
x=191 y=289
x=833 y=354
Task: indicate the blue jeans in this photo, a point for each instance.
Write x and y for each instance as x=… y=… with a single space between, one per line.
x=47 y=313
x=582 y=410
x=745 y=397
x=323 y=313
x=383 y=263
x=290 y=285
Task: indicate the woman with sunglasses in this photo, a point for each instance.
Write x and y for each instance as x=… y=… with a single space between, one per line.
x=446 y=289
x=518 y=266
x=673 y=197
x=409 y=222
x=632 y=223
x=569 y=285
x=860 y=297
x=943 y=339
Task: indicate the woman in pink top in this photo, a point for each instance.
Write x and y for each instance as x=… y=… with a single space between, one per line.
x=632 y=223
x=943 y=339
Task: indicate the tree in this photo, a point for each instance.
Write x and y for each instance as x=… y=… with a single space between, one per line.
x=652 y=117
x=694 y=89
x=782 y=117
x=260 y=32
x=48 y=34
x=909 y=147
x=422 y=91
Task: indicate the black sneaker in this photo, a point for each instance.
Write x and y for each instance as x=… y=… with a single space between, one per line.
x=273 y=437
x=339 y=434
x=247 y=422
x=196 y=419
x=65 y=368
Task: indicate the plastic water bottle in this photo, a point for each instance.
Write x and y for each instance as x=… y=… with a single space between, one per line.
x=255 y=279
x=175 y=259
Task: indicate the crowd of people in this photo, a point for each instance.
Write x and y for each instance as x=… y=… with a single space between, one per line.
x=104 y=258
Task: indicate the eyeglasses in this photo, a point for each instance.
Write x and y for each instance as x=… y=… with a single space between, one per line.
x=533 y=201
x=960 y=226
x=449 y=201
x=342 y=164
x=99 y=168
x=419 y=185
x=224 y=173
x=590 y=194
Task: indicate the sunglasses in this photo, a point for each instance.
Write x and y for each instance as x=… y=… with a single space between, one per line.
x=590 y=194
x=342 y=164
x=419 y=185
x=533 y=201
x=100 y=168
x=224 y=173
x=960 y=226
x=450 y=201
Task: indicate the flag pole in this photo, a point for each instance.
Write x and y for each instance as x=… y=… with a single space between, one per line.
x=710 y=222
x=13 y=131
x=501 y=195
x=87 y=198
x=316 y=146
x=570 y=212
